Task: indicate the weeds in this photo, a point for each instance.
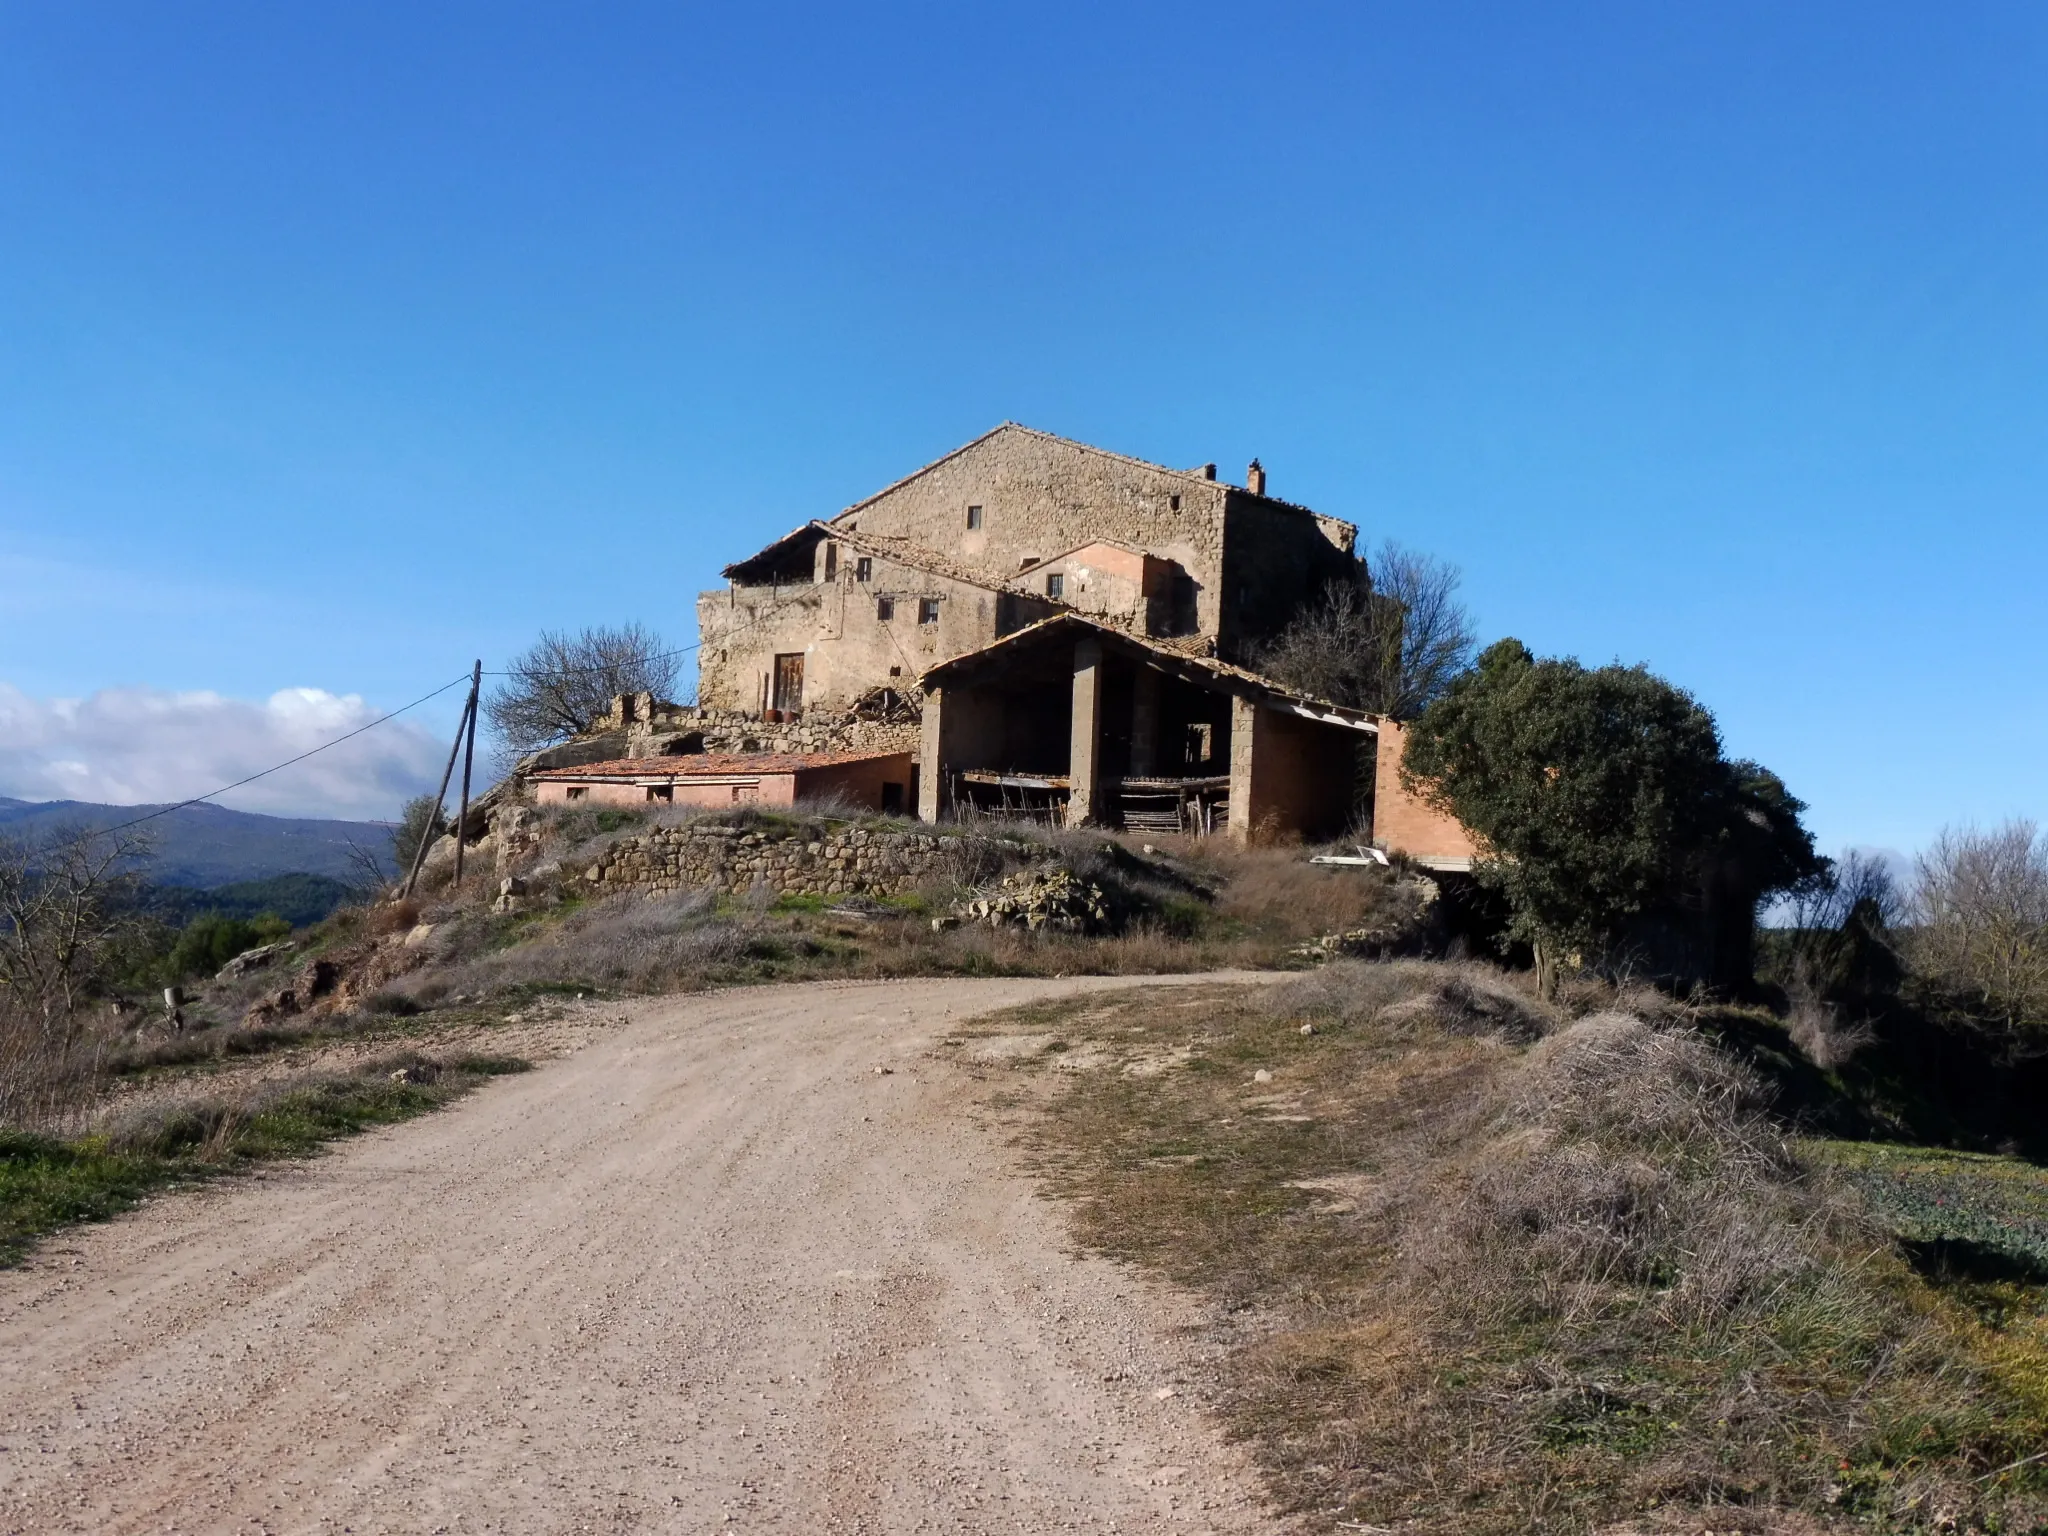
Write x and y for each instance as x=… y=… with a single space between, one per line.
x=1518 y=1271
x=47 y=1182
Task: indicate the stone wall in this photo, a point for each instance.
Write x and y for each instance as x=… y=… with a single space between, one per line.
x=848 y=859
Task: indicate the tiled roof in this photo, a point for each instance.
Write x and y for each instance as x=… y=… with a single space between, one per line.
x=705 y=765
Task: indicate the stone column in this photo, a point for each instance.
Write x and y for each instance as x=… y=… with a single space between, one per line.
x=1145 y=724
x=930 y=780
x=1085 y=742
x=1244 y=736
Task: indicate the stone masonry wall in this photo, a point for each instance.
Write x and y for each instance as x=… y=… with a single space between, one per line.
x=848 y=860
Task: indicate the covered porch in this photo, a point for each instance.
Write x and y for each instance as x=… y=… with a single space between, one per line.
x=1078 y=723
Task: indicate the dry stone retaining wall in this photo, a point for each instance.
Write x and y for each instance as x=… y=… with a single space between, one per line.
x=847 y=860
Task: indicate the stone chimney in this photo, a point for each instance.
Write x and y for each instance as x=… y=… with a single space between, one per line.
x=1255 y=478
x=1208 y=471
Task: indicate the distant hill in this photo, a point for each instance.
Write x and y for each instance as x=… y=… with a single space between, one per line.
x=298 y=899
x=206 y=846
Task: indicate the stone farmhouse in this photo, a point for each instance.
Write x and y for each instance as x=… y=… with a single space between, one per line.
x=1015 y=527
x=1030 y=626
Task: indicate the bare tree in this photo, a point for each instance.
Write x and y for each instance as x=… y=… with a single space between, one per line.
x=1389 y=641
x=61 y=913
x=420 y=821
x=563 y=682
x=1980 y=924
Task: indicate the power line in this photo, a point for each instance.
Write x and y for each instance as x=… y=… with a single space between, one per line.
x=266 y=773
x=758 y=618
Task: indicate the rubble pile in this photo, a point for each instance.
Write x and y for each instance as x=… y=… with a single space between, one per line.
x=1054 y=898
x=1398 y=929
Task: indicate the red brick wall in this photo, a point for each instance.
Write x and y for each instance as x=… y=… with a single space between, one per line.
x=1405 y=823
x=859 y=783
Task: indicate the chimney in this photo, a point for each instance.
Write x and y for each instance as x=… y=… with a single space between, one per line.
x=1255 y=478
x=1208 y=471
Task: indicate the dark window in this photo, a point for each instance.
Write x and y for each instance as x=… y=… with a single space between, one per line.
x=1055 y=585
x=661 y=792
x=863 y=569
x=974 y=517
x=927 y=610
x=892 y=799
x=831 y=561
x=1174 y=502
x=895 y=671
x=578 y=792
x=885 y=608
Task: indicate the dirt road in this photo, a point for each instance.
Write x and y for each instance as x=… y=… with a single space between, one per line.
x=712 y=1272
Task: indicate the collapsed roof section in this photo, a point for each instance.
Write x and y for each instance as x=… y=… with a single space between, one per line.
x=791 y=559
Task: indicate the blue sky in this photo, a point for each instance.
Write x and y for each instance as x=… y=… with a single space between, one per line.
x=339 y=345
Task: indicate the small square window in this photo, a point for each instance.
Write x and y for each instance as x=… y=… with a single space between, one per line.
x=974 y=517
x=1055 y=585
x=895 y=671
x=885 y=608
x=927 y=610
x=863 y=569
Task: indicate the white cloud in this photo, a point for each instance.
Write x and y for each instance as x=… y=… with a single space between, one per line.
x=136 y=746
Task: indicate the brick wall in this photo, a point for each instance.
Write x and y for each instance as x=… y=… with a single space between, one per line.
x=1402 y=821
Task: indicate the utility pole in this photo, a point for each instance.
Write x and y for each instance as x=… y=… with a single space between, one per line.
x=476 y=682
x=419 y=856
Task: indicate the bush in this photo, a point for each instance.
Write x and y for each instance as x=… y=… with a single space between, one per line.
x=211 y=941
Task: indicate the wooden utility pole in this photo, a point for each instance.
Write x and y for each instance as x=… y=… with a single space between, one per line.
x=419 y=856
x=476 y=682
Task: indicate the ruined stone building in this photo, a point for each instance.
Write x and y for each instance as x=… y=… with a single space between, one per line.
x=1015 y=527
x=1028 y=626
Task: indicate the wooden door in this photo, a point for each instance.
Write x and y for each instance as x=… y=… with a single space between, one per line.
x=789 y=683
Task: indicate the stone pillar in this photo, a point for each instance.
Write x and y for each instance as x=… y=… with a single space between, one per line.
x=1085 y=742
x=930 y=778
x=1145 y=724
x=1244 y=737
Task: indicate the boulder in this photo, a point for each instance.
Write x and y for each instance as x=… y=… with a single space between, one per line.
x=252 y=960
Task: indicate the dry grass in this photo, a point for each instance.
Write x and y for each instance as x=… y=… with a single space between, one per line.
x=1497 y=1269
x=1195 y=904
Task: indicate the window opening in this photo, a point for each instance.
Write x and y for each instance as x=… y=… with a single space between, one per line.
x=863 y=569
x=1174 y=502
x=663 y=792
x=927 y=610
x=1055 y=585
x=579 y=791
x=831 y=561
x=973 y=517
x=885 y=608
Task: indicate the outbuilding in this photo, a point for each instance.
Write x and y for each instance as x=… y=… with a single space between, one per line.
x=877 y=781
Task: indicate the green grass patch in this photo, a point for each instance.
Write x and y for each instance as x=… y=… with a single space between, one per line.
x=47 y=1183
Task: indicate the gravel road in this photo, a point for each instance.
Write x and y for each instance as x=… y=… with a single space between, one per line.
x=711 y=1272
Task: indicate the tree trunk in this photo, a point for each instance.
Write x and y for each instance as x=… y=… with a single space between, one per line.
x=1546 y=970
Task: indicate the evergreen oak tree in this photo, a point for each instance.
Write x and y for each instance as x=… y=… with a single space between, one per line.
x=1600 y=796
